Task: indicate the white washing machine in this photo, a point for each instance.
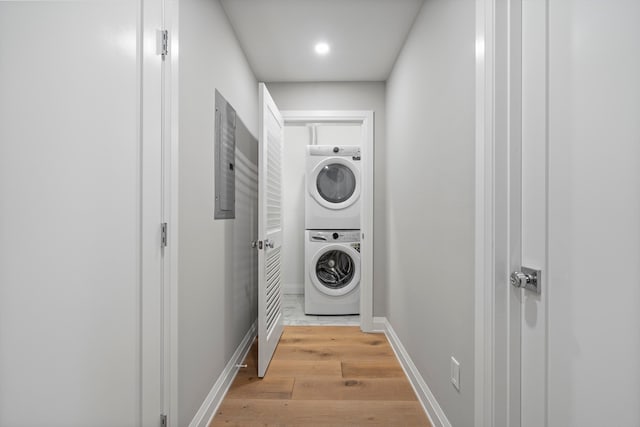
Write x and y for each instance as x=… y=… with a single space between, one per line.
x=332 y=272
x=333 y=181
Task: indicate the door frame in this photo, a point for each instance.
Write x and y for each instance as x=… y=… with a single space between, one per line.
x=498 y=212
x=171 y=144
x=152 y=186
x=365 y=119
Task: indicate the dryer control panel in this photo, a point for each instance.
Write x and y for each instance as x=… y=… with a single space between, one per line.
x=338 y=236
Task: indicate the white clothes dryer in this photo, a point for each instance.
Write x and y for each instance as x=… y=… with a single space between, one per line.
x=333 y=181
x=332 y=272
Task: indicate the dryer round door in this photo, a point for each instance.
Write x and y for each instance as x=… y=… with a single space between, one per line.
x=335 y=183
x=335 y=269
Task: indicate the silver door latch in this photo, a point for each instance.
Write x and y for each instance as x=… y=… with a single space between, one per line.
x=527 y=278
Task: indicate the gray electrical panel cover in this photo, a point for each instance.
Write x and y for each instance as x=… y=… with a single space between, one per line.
x=225 y=159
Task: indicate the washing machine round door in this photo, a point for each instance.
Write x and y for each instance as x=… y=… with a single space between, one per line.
x=335 y=269
x=335 y=183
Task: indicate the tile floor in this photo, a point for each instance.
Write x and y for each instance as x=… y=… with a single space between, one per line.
x=293 y=311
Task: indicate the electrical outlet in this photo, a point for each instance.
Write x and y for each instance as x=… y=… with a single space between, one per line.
x=455 y=373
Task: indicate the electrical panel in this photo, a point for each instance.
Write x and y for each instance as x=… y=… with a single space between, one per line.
x=225 y=159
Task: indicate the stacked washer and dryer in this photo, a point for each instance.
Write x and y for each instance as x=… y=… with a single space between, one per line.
x=332 y=236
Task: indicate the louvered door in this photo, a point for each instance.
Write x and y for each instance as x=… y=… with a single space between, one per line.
x=269 y=229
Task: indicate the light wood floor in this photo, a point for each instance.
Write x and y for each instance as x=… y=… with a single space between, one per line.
x=323 y=376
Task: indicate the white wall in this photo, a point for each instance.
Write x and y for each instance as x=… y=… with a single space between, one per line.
x=594 y=213
x=351 y=96
x=296 y=139
x=430 y=199
x=217 y=289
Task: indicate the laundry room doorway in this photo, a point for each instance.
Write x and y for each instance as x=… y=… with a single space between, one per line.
x=342 y=175
x=346 y=131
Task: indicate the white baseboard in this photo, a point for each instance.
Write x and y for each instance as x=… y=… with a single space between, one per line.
x=293 y=288
x=380 y=324
x=425 y=396
x=213 y=400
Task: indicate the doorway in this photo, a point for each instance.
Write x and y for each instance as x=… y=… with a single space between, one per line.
x=298 y=275
x=304 y=128
x=270 y=213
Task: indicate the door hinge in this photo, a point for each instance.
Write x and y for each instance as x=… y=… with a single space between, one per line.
x=163 y=420
x=164 y=238
x=163 y=43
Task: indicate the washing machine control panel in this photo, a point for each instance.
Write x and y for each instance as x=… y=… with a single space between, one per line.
x=331 y=150
x=342 y=236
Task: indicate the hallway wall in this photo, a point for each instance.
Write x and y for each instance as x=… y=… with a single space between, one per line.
x=430 y=200
x=217 y=268
x=351 y=96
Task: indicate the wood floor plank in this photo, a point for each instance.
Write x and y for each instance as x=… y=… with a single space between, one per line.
x=323 y=352
x=323 y=376
x=372 y=340
x=308 y=413
x=304 y=368
x=383 y=368
x=391 y=389
x=330 y=334
x=252 y=387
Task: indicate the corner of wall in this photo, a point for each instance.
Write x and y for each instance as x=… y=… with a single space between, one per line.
x=214 y=399
x=423 y=392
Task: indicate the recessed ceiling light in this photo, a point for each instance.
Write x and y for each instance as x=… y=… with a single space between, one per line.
x=322 y=48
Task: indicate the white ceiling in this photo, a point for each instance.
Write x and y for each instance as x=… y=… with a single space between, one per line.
x=278 y=37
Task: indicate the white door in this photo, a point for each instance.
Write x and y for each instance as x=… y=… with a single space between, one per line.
x=580 y=213
x=80 y=187
x=533 y=213
x=526 y=217
x=516 y=190
x=270 y=319
x=564 y=168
